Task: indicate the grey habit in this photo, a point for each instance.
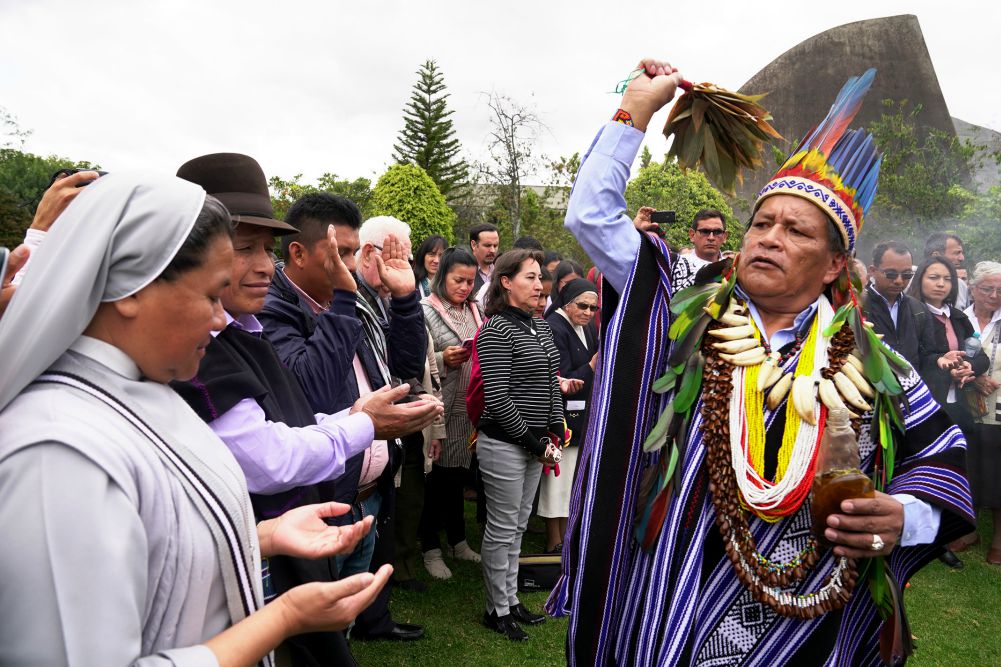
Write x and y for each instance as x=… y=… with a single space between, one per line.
x=128 y=535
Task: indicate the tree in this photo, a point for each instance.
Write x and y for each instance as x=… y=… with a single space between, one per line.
x=406 y=192
x=11 y=134
x=665 y=186
x=427 y=138
x=978 y=227
x=514 y=128
x=285 y=192
x=23 y=179
x=921 y=179
x=645 y=157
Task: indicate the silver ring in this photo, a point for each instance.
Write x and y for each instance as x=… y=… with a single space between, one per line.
x=877 y=543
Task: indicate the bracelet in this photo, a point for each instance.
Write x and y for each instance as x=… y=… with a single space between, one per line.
x=623 y=117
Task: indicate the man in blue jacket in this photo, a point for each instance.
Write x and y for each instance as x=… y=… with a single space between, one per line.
x=342 y=343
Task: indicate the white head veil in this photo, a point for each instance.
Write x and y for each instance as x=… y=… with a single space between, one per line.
x=116 y=237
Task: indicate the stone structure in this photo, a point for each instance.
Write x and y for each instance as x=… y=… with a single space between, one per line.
x=803 y=81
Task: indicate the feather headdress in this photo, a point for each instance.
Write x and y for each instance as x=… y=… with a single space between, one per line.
x=834 y=167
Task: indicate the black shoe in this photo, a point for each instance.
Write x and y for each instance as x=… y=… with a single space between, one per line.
x=523 y=615
x=951 y=560
x=414 y=585
x=505 y=625
x=401 y=632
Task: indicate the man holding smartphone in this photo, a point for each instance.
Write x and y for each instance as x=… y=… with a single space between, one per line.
x=707 y=234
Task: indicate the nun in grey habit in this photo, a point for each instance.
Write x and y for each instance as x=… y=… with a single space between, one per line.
x=128 y=536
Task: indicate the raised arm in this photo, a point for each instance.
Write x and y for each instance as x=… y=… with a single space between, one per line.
x=596 y=213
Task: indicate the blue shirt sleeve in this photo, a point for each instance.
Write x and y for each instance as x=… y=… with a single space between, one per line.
x=596 y=213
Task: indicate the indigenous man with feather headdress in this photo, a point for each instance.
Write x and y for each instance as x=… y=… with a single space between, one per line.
x=690 y=540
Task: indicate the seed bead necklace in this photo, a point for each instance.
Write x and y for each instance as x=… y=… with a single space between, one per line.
x=765 y=579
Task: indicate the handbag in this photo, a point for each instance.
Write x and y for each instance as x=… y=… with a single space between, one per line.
x=976 y=403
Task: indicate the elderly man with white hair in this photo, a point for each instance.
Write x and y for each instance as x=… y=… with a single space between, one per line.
x=393 y=350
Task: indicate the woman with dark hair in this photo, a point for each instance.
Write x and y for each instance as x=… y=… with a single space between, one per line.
x=154 y=549
x=452 y=318
x=523 y=411
x=566 y=271
x=578 y=346
x=944 y=367
x=426 y=262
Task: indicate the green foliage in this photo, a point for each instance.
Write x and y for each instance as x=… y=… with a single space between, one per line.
x=665 y=186
x=406 y=192
x=284 y=193
x=427 y=138
x=23 y=179
x=921 y=179
x=646 y=157
x=11 y=134
x=978 y=227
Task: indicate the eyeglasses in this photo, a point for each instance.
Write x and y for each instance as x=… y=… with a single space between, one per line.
x=711 y=232
x=892 y=275
x=989 y=291
x=586 y=306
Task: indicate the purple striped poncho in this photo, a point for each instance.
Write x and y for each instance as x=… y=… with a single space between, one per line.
x=681 y=603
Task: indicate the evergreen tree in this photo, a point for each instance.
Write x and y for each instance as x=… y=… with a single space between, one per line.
x=406 y=192
x=427 y=138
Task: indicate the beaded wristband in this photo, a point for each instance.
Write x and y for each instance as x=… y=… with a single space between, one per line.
x=623 y=117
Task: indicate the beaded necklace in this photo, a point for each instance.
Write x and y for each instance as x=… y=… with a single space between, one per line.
x=773 y=500
x=765 y=579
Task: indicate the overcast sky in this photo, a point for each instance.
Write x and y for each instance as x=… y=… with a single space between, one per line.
x=316 y=87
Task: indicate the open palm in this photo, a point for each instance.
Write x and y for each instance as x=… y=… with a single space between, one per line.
x=302 y=532
x=395 y=271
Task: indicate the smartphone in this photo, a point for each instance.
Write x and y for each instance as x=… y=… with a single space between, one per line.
x=69 y=171
x=4 y=257
x=664 y=217
x=467 y=345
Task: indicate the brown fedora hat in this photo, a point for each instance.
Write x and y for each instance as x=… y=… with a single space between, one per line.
x=239 y=183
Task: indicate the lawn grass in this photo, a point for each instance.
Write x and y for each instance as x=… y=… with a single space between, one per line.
x=954 y=616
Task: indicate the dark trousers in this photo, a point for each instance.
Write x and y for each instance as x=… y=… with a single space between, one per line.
x=409 y=506
x=375 y=619
x=443 y=506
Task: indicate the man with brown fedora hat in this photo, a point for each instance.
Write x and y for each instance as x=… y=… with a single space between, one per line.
x=255 y=403
x=239 y=183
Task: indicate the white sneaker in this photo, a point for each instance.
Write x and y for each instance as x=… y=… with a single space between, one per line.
x=462 y=551
x=435 y=565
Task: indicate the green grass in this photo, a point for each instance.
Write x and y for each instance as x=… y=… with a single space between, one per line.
x=954 y=616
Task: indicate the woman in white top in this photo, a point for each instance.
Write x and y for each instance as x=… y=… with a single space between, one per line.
x=128 y=535
x=984 y=451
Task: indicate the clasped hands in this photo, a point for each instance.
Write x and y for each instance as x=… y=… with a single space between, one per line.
x=852 y=530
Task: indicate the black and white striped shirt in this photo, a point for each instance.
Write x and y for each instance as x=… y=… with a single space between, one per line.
x=519 y=363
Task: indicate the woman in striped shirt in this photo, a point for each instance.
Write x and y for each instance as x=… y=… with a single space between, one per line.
x=523 y=407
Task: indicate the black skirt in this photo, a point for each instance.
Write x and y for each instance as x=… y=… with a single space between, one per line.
x=983 y=465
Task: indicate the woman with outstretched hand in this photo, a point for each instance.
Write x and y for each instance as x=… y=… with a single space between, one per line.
x=128 y=532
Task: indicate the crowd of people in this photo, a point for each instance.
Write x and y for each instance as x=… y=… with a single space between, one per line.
x=211 y=452
x=194 y=365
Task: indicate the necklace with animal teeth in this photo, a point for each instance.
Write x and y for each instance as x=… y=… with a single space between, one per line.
x=734 y=441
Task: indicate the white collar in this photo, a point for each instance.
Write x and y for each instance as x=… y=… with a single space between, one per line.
x=108 y=355
x=944 y=310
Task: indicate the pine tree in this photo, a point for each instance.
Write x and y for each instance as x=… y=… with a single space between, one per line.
x=427 y=138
